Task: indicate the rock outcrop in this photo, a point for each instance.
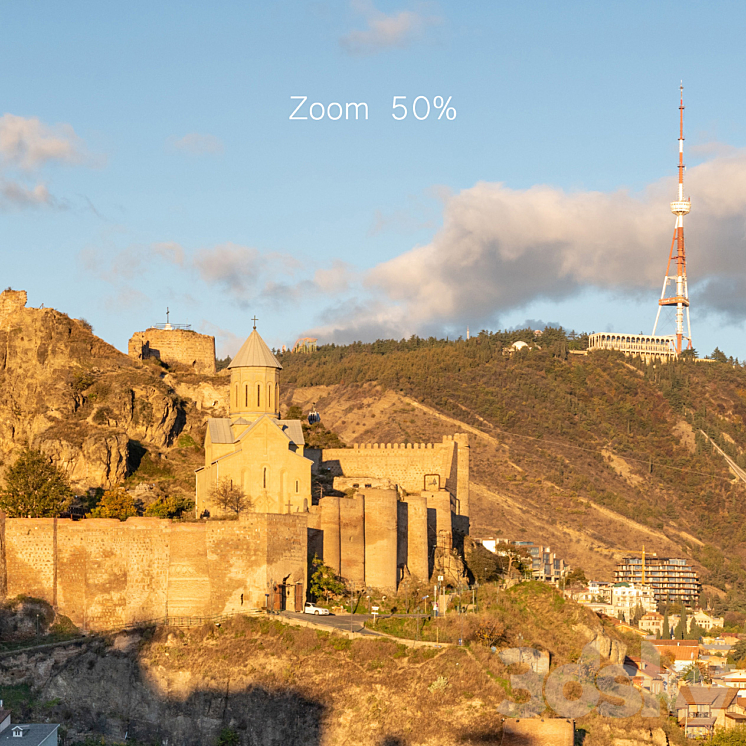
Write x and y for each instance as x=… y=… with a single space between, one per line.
x=77 y=399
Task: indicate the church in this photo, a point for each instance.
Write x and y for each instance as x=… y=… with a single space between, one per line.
x=253 y=448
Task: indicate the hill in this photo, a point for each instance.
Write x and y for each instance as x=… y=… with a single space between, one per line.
x=101 y=416
x=596 y=455
x=259 y=681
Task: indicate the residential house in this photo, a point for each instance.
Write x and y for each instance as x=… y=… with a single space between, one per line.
x=26 y=734
x=627 y=597
x=682 y=652
x=646 y=675
x=701 y=710
x=652 y=623
x=735 y=680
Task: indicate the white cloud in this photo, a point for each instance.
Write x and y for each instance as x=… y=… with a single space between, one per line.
x=26 y=146
x=501 y=249
x=169 y=251
x=195 y=143
x=382 y=31
x=28 y=143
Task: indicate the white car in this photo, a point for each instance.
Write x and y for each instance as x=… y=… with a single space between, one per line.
x=313 y=609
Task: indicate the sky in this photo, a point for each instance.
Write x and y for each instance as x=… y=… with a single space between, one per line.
x=150 y=159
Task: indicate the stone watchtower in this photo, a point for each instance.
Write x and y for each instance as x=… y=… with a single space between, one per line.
x=255 y=387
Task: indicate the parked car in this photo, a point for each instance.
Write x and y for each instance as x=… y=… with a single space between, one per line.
x=313 y=609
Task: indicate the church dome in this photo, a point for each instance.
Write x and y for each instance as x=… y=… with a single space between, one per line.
x=254 y=353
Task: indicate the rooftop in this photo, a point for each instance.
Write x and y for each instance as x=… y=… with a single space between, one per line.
x=254 y=353
x=34 y=734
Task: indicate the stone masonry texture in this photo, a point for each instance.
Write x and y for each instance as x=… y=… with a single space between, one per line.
x=182 y=346
x=105 y=573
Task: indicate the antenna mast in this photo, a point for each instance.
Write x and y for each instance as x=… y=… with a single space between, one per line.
x=680 y=298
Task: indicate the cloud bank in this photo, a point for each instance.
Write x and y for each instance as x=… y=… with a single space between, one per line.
x=501 y=249
x=385 y=31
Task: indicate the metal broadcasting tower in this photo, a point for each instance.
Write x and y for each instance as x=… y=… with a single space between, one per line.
x=678 y=295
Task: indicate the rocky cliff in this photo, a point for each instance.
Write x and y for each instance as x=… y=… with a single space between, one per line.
x=94 y=411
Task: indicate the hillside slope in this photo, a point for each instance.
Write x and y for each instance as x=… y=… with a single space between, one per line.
x=273 y=684
x=595 y=455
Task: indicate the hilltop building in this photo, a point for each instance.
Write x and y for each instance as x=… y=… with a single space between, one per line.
x=175 y=344
x=406 y=518
x=253 y=448
x=672 y=579
x=674 y=300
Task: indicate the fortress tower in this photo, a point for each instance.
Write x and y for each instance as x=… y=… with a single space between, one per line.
x=678 y=295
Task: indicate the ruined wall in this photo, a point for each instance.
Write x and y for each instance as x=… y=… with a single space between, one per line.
x=104 y=573
x=11 y=301
x=184 y=346
x=413 y=466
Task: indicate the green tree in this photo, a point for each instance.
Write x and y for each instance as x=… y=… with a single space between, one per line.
x=637 y=614
x=324 y=580
x=733 y=737
x=116 y=503
x=680 y=632
x=228 y=737
x=34 y=488
x=718 y=355
x=169 y=506
x=738 y=654
x=666 y=633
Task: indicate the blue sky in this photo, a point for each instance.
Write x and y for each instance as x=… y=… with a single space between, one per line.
x=147 y=160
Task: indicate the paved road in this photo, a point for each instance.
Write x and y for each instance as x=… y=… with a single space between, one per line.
x=343 y=621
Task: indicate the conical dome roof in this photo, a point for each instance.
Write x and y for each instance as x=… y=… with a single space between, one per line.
x=254 y=353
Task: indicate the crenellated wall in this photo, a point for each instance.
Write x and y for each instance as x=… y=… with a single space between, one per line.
x=105 y=573
x=412 y=466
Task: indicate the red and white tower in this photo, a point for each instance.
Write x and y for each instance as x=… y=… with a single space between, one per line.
x=678 y=295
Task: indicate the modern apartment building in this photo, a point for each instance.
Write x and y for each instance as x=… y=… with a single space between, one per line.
x=672 y=579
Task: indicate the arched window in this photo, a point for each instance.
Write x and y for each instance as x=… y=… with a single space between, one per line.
x=269 y=397
x=259 y=395
x=236 y=395
x=277 y=396
x=264 y=478
x=297 y=486
x=246 y=396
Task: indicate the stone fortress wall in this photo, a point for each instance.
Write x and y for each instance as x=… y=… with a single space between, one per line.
x=183 y=346
x=413 y=466
x=11 y=301
x=105 y=573
x=409 y=497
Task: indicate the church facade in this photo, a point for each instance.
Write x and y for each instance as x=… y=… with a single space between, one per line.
x=253 y=449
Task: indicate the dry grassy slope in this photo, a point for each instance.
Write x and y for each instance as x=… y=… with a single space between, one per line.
x=510 y=495
x=279 y=685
